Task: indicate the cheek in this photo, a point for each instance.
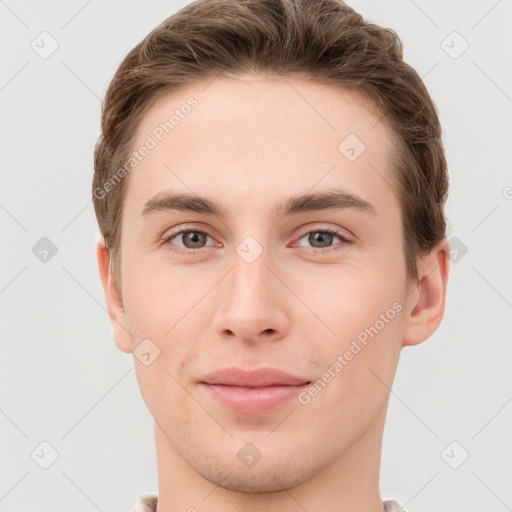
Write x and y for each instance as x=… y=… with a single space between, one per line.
x=154 y=300
x=165 y=308
x=359 y=327
x=344 y=299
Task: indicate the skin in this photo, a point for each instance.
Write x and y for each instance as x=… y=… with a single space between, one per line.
x=251 y=143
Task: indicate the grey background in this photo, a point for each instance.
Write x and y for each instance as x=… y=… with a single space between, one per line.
x=63 y=381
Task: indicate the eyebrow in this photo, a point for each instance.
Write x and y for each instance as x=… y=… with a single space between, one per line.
x=317 y=201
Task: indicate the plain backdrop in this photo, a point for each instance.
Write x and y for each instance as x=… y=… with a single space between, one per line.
x=66 y=385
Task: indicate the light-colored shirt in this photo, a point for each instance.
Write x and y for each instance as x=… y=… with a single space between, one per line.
x=147 y=503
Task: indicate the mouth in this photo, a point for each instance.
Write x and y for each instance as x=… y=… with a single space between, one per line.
x=253 y=392
x=253 y=399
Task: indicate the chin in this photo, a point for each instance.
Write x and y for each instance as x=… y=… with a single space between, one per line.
x=253 y=481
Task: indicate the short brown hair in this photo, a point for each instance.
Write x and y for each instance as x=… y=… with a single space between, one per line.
x=324 y=41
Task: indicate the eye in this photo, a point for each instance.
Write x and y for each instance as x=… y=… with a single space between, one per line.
x=191 y=239
x=322 y=239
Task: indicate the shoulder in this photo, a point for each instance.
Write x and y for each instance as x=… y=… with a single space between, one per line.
x=145 y=503
x=392 y=506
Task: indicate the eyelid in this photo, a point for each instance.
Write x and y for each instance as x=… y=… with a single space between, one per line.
x=337 y=230
x=187 y=227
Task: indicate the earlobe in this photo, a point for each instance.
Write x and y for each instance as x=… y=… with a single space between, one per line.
x=113 y=299
x=425 y=303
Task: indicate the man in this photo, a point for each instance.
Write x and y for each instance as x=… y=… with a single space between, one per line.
x=270 y=186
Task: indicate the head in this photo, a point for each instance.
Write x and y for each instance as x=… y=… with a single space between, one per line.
x=242 y=108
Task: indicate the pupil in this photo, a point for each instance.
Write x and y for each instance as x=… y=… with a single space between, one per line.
x=193 y=237
x=321 y=237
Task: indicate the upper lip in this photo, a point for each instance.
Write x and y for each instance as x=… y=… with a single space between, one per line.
x=254 y=378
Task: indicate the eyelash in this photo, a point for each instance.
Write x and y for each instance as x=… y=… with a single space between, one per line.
x=314 y=250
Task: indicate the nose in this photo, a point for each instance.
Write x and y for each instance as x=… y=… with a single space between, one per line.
x=253 y=303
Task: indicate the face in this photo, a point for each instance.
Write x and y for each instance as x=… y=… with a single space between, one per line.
x=315 y=288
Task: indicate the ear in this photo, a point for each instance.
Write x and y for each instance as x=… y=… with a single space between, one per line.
x=113 y=299
x=426 y=300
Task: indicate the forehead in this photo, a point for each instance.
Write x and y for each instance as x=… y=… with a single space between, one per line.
x=263 y=137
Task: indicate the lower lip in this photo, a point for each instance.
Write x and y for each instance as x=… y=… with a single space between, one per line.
x=253 y=400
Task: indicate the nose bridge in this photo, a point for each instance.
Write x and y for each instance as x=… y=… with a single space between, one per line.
x=251 y=299
x=250 y=280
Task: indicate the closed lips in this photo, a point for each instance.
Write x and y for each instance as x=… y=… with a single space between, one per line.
x=262 y=377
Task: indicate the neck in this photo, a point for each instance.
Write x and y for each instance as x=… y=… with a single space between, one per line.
x=350 y=483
